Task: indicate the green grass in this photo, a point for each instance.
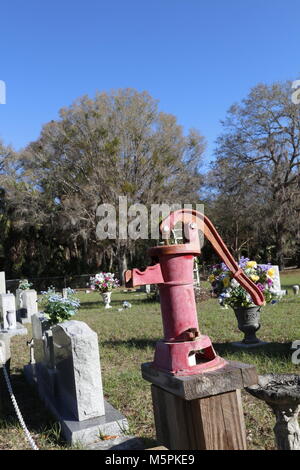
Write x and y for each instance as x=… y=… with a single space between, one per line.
x=127 y=339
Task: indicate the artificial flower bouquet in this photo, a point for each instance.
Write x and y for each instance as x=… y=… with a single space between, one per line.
x=229 y=291
x=58 y=308
x=24 y=284
x=104 y=282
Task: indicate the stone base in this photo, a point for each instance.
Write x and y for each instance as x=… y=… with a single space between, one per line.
x=20 y=330
x=113 y=423
x=118 y=443
x=240 y=344
x=24 y=320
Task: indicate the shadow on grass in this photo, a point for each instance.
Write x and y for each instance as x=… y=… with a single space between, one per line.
x=36 y=416
x=138 y=343
x=275 y=350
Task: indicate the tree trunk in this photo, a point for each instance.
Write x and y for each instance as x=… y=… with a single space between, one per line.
x=122 y=262
x=279 y=250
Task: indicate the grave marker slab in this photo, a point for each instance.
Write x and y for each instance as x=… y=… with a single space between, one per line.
x=2 y=283
x=78 y=370
x=66 y=371
x=8 y=304
x=29 y=304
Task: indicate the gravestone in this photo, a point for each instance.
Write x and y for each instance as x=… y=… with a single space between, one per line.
x=276 y=279
x=2 y=283
x=296 y=289
x=42 y=357
x=5 y=402
x=8 y=304
x=276 y=288
x=19 y=301
x=65 y=368
x=43 y=349
x=29 y=304
x=78 y=370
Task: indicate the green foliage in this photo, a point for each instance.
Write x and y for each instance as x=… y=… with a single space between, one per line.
x=57 y=308
x=24 y=284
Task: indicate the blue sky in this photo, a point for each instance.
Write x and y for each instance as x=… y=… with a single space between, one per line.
x=197 y=57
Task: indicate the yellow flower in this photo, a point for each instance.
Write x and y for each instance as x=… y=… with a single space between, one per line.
x=271 y=272
x=211 y=278
x=226 y=281
x=251 y=264
x=254 y=277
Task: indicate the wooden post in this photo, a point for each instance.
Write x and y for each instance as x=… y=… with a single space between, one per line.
x=200 y=412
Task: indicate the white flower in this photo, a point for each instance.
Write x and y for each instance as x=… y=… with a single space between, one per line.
x=234 y=283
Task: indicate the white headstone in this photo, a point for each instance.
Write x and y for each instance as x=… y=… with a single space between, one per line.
x=276 y=288
x=29 y=302
x=8 y=304
x=296 y=289
x=19 y=302
x=276 y=279
x=2 y=283
x=148 y=289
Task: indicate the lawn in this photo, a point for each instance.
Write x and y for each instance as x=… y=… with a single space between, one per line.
x=127 y=339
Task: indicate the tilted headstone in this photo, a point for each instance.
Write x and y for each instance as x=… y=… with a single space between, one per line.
x=43 y=356
x=43 y=349
x=2 y=283
x=8 y=312
x=77 y=363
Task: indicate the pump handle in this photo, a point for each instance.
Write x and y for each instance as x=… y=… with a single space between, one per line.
x=193 y=219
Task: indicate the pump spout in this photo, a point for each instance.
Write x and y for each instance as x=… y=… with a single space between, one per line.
x=151 y=275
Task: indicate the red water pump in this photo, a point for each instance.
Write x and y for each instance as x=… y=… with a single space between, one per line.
x=184 y=350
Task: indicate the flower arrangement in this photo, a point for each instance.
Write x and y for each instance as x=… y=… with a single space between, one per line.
x=104 y=282
x=24 y=284
x=57 y=308
x=229 y=291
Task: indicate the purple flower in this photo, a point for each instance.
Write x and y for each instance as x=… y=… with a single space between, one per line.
x=243 y=262
x=265 y=267
x=224 y=267
x=260 y=286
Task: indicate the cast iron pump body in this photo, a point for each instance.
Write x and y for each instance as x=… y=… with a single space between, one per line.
x=184 y=350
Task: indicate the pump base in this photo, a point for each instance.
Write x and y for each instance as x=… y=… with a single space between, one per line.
x=187 y=357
